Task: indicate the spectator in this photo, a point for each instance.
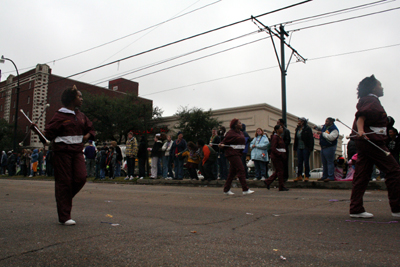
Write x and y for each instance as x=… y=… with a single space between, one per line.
x=245 y=150
x=214 y=141
x=103 y=161
x=178 y=146
x=233 y=143
x=90 y=154
x=278 y=157
x=40 y=162
x=166 y=162
x=328 y=136
x=222 y=163
x=11 y=163
x=34 y=162
x=110 y=162
x=286 y=138
x=4 y=165
x=118 y=161
x=193 y=160
x=156 y=154
x=303 y=145
x=259 y=154
x=208 y=158
x=131 y=153
x=393 y=143
x=142 y=156
x=22 y=163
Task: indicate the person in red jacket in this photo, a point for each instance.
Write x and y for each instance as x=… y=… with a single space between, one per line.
x=69 y=130
x=371 y=118
x=278 y=156
x=233 y=144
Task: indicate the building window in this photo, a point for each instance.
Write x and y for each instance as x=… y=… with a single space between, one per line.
x=26 y=129
x=14 y=104
x=115 y=88
x=1 y=107
x=29 y=99
x=27 y=114
x=14 y=117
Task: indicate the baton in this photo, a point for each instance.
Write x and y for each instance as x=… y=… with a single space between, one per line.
x=27 y=134
x=372 y=143
x=37 y=130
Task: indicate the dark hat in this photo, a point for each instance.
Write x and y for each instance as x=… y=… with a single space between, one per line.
x=303 y=119
x=90 y=142
x=180 y=133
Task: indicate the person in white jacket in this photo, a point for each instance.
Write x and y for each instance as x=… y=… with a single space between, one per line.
x=259 y=154
x=328 y=137
x=166 y=160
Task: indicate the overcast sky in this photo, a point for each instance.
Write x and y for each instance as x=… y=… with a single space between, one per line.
x=339 y=54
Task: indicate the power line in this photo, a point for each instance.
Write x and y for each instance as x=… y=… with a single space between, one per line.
x=346 y=19
x=271 y=67
x=126 y=36
x=332 y=13
x=178 y=41
x=169 y=59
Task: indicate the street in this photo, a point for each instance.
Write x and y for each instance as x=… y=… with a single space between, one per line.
x=158 y=225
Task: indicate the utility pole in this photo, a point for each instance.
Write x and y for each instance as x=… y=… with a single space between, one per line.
x=281 y=35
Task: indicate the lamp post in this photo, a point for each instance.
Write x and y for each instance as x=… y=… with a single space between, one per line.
x=2 y=59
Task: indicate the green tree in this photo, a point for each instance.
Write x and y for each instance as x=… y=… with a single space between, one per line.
x=195 y=123
x=6 y=135
x=113 y=118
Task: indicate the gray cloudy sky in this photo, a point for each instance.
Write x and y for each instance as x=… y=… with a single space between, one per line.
x=339 y=54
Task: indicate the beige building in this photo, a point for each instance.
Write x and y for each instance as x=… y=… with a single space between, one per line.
x=266 y=116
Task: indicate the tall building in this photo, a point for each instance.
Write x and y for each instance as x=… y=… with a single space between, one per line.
x=39 y=87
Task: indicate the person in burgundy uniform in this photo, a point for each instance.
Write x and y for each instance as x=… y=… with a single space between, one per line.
x=278 y=156
x=371 y=118
x=233 y=144
x=69 y=130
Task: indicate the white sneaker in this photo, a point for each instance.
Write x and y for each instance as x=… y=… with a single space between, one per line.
x=363 y=215
x=396 y=214
x=168 y=178
x=255 y=179
x=373 y=179
x=229 y=193
x=30 y=175
x=383 y=179
x=141 y=178
x=263 y=178
x=126 y=178
x=69 y=222
x=131 y=178
x=248 y=192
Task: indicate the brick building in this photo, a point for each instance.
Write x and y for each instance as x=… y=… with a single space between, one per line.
x=39 y=87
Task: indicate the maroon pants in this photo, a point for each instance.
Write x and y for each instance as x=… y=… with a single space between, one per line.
x=236 y=168
x=368 y=155
x=279 y=165
x=70 y=177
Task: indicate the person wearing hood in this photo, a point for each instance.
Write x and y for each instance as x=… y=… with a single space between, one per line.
x=69 y=130
x=34 y=162
x=303 y=145
x=259 y=154
x=142 y=155
x=3 y=162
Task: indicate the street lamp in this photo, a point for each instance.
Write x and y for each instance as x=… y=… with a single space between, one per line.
x=2 y=60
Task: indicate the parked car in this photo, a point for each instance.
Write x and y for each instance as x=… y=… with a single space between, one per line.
x=316 y=173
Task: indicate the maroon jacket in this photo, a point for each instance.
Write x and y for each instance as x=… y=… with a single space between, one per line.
x=278 y=143
x=375 y=116
x=66 y=130
x=233 y=137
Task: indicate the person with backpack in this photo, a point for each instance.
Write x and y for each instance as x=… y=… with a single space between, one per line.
x=208 y=158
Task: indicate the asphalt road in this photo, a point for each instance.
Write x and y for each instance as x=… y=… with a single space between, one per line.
x=142 y=225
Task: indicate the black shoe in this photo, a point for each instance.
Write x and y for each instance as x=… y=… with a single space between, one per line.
x=284 y=189
x=266 y=184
